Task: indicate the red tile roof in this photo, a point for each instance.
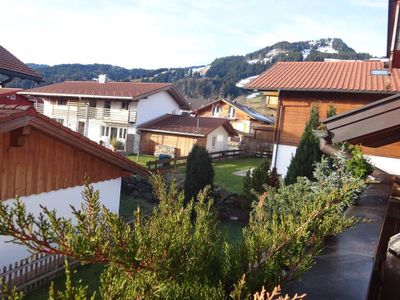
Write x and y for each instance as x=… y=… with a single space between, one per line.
x=16 y=116
x=6 y=91
x=112 y=90
x=187 y=125
x=12 y=66
x=341 y=76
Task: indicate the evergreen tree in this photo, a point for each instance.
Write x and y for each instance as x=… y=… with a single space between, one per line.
x=331 y=111
x=199 y=172
x=307 y=153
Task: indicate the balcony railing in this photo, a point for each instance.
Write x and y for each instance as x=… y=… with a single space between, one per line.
x=81 y=111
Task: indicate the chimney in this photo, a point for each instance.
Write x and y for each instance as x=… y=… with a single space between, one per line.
x=102 y=78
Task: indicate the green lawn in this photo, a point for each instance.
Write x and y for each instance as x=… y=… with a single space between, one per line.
x=129 y=204
x=143 y=158
x=224 y=170
x=89 y=274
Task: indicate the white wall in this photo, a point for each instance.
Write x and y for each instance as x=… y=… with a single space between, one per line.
x=387 y=164
x=221 y=136
x=61 y=201
x=153 y=107
x=284 y=156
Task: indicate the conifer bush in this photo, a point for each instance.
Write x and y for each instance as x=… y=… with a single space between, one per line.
x=171 y=255
x=199 y=172
x=307 y=153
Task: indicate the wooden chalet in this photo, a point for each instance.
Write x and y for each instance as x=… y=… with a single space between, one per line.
x=244 y=119
x=11 y=67
x=346 y=85
x=182 y=132
x=40 y=155
x=44 y=163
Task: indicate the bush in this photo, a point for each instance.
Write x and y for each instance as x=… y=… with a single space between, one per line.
x=170 y=254
x=307 y=153
x=256 y=181
x=199 y=172
x=359 y=165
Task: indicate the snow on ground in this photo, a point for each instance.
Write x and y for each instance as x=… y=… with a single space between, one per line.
x=305 y=53
x=268 y=57
x=253 y=95
x=328 y=48
x=201 y=70
x=245 y=81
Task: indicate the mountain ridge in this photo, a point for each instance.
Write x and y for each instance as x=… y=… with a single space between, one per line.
x=205 y=81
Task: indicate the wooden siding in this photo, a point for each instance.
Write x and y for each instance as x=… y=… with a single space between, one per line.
x=44 y=164
x=183 y=144
x=224 y=112
x=296 y=110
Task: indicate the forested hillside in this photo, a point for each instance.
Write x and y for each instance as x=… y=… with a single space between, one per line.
x=220 y=77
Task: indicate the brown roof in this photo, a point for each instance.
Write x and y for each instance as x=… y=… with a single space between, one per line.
x=374 y=125
x=112 y=90
x=253 y=114
x=339 y=76
x=16 y=116
x=13 y=67
x=187 y=125
x=6 y=91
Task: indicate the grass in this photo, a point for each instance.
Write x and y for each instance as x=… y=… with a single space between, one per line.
x=89 y=274
x=143 y=158
x=224 y=170
x=129 y=204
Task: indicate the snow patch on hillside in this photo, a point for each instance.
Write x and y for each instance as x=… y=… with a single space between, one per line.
x=268 y=57
x=201 y=70
x=242 y=83
x=253 y=95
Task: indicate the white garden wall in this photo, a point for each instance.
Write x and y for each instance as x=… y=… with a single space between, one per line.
x=59 y=200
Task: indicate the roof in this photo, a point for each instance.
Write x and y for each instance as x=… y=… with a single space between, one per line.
x=338 y=76
x=187 y=125
x=374 y=125
x=247 y=110
x=6 y=91
x=196 y=103
x=108 y=90
x=16 y=116
x=13 y=67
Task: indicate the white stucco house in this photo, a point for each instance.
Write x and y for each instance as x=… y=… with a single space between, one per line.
x=44 y=163
x=102 y=110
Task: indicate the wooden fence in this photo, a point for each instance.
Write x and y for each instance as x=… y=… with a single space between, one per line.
x=180 y=161
x=30 y=273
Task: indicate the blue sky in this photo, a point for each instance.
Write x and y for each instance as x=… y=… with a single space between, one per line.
x=171 y=33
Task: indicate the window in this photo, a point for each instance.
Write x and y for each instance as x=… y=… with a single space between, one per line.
x=92 y=103
x=215 y=110
x=232 y=112
x=213 y=141
x=62 y=102
x=125 y=105
x=61 y=121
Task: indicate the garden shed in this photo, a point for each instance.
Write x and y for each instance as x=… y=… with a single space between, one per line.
x=183 y=131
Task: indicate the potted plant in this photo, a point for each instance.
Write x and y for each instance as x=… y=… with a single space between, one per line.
x=321 y=131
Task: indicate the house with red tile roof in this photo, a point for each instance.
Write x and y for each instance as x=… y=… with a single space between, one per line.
x=346 y=85
x=12 y=67
x=247 y=121
x=103 y=110
x=44 y=163
x=182 y=132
